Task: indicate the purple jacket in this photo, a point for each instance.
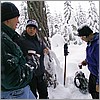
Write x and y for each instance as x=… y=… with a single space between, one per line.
x=92 y=56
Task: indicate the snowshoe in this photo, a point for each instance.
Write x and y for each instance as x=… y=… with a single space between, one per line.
x=81 y=82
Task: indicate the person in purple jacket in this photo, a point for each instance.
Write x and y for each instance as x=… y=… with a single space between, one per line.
x=92 y=58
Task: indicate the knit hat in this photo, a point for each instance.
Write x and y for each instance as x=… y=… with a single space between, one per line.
x=8 y=11
x=32 y=23
x=84 y=31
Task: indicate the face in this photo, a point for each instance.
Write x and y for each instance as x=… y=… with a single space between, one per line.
x=31 y=30
x=87 y=38
x=12 y=23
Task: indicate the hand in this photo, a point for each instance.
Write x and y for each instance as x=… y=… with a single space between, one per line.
x=46 y=50
x=84 y=63
x=97 y=88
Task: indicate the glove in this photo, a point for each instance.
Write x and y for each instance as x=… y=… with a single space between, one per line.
x=31 y=64
x=36 y=61
x=97 y=88
x=32 y=61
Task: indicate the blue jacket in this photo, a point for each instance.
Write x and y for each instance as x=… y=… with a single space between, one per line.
x=92 y=56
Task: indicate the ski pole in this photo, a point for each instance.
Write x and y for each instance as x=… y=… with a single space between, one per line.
x=65 y=54
x=65 y=71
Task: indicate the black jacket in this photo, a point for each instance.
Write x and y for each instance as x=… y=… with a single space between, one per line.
x=33 y=43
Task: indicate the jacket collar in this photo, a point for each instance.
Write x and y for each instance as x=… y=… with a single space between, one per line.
x=10 y=32
x=96 y=37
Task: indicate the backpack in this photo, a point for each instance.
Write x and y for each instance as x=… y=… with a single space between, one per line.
x=81 y=82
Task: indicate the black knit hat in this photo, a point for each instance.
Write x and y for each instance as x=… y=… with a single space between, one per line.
x=8 y=11
x=84 y=31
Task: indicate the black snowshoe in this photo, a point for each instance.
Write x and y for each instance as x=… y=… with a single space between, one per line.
x=81 y=82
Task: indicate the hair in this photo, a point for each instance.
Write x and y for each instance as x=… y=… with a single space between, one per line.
x=84 y=31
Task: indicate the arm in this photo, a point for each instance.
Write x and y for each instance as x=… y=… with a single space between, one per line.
x=84 y=62
x=13 y=64
x=96 y=57
x=96 y=54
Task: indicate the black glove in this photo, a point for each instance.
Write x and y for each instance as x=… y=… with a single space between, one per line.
x=32 y=61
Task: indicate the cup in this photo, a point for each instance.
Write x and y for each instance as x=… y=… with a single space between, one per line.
x=80 y=66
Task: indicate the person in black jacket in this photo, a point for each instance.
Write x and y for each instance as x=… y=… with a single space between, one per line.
x=16 y=73
x=32 y=45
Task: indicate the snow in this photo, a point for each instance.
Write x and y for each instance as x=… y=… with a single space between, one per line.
x=75 y=56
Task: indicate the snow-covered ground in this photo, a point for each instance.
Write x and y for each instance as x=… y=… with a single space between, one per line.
x=75 y=56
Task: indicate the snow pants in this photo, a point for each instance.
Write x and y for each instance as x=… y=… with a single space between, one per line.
x=39 y=85
x=92 y=87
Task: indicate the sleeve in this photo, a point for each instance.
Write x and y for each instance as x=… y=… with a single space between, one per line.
x=44 y=46
x=96 y=56
x=13 y=59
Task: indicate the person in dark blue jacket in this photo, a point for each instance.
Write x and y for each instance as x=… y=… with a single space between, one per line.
x=31 y=44
x=92 y=58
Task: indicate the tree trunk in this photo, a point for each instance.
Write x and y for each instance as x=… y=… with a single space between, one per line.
x=37 y=11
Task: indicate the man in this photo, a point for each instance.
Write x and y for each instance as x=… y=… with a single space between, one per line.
x=92 y=58
x=32 y=45
x=15 y=72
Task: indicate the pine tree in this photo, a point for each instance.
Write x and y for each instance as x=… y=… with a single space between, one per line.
x=50 y=21
x=23 y=18
x=93 y=18
x=80 y=16
x=67 y=11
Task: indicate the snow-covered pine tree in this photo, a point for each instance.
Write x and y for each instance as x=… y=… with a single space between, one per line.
x=50 y=21
x=80 y=16
x=23 y=18
x=67 y=11
x=93 y=17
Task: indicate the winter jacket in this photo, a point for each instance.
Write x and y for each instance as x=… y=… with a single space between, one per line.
x=33 y=43
x=14 y=73
x=92 y=56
